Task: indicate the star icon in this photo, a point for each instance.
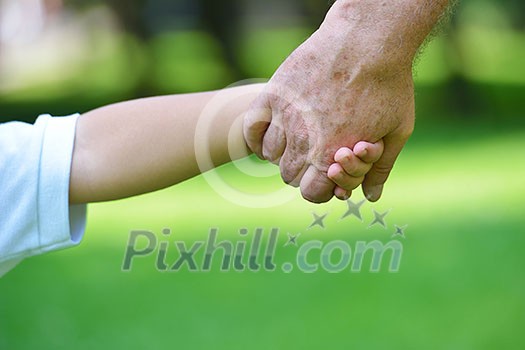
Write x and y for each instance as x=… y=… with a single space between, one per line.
x=379 y=219
x=354 y=209
x=400 y=231
x=318 y=220
x=292 y=239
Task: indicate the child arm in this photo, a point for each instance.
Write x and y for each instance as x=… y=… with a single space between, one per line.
x=144 y=145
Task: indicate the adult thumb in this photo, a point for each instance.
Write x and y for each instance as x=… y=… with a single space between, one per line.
x=256 y=123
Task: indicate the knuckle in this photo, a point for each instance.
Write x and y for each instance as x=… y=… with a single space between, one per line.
x=382 y=169
x=317 y=198
x=297 y=127
x=267 y=153
x=318 y=190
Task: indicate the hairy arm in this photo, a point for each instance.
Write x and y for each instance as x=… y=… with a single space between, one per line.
x=145 y=145
x=384 y=34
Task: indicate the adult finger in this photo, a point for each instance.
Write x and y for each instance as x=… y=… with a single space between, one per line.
x=316 y=187
x=376 y=178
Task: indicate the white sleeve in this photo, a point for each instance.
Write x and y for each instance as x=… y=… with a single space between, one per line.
x=35 y=166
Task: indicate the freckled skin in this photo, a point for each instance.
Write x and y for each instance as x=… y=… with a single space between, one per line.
x=338 y=76
x=350 y=81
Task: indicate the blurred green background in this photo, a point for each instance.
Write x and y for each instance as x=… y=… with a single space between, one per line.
x=459 y=186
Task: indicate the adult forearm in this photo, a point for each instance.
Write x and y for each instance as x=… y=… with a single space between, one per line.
x=384 y=34
x=144 y=145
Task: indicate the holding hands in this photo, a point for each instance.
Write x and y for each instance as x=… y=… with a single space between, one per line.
x=351 y=166
x=350 y=82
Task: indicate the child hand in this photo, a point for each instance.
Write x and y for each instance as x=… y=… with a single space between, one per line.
x=351 y=166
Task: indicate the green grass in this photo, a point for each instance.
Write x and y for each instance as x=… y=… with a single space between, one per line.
x=460 y=286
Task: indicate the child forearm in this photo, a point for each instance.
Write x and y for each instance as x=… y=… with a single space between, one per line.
x=145 y=145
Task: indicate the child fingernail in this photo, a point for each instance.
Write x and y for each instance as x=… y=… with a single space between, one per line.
x=363 y=152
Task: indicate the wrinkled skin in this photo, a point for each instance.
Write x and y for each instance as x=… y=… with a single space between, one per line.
x=326 y=96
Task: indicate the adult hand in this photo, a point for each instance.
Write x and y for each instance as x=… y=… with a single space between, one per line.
x=323 y=98
x=350 y=81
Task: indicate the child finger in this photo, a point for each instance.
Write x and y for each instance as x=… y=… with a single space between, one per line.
x=342 y=194
x=351 y=164
x=337 y=174
x=369 y=152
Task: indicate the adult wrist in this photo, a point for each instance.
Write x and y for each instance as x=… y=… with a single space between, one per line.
x=384 y=35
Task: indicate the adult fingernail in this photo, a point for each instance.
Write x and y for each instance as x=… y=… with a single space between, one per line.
x=374 y=193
